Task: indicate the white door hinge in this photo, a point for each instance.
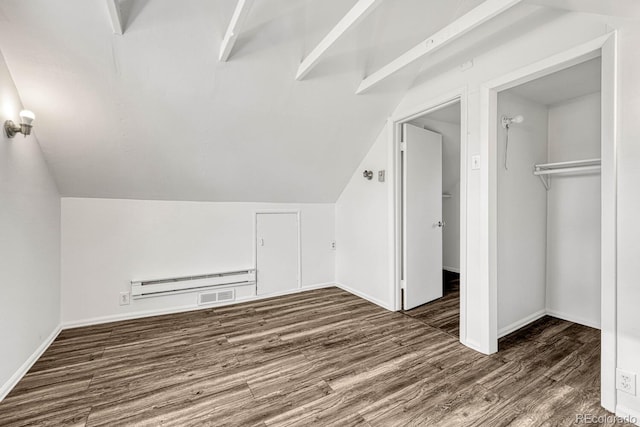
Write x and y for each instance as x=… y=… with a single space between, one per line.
x=403 y=284
x=403 y=146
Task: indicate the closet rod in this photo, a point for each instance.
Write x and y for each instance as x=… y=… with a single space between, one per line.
x=564 y=167
x=565 y=170
x=587 y=162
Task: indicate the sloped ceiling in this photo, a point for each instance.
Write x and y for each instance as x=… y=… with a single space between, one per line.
x=153 y=114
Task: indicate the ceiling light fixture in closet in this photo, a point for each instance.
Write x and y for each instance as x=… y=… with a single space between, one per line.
x=506 y=123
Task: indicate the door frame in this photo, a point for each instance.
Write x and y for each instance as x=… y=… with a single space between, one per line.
x=606 y=48
x=395 y=195
x=299 y=239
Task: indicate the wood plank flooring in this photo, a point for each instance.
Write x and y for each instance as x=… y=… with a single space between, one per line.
x=322 y=357
x=443 y=313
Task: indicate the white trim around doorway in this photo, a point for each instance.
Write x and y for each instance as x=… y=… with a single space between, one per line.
x=605 y=47
x=395 y=202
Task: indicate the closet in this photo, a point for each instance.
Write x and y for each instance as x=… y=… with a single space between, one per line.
x=549 y=200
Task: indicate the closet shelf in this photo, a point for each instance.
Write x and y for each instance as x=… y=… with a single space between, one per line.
x=564 y=167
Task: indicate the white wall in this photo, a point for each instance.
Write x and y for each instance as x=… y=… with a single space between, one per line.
x=522 y=214
x=29 y=244
x=628 y=291
x=573 y=227
x=106 y=243
x=362 y=224
x=450 y=184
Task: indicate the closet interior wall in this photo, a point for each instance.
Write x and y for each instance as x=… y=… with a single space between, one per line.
x=522 y=214
x=573 y=214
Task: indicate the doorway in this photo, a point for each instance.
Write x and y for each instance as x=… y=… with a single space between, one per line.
x=277 y=252
x=603 y=47
x=431 y=190
x=548 y=199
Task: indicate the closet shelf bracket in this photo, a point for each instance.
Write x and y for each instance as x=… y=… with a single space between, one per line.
x=545 y=181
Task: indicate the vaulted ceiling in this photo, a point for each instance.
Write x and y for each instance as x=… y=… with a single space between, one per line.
x=153 y=113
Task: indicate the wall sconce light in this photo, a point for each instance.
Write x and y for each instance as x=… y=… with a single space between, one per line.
x=26 y=123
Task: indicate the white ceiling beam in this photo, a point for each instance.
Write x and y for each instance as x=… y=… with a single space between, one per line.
x=113 y=6
x=361 y=9
x=467 y=22
x=619 y=8
x=235 y=26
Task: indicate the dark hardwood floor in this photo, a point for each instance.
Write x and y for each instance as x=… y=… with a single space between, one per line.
x=443 y=313
x=322 y=357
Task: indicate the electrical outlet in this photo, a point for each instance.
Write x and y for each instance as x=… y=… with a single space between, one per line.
x=125 y=298
x=626 y=381
x=333 y=245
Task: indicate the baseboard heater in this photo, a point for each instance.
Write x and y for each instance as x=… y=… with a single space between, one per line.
x=175 y=285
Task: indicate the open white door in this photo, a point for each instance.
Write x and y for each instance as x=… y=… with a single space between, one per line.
x=422 y=215
x=276 y=252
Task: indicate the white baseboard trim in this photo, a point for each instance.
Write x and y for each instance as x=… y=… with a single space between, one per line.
x=520 y=323
x=129 y=316
x=628 y=414
x=574 y=319
x=303 y=288
x=181 y=309
x=6 y=388
x=451 y=269
x=362 y=295
x=539 y=314
x=474 y=346
x=318 y=286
